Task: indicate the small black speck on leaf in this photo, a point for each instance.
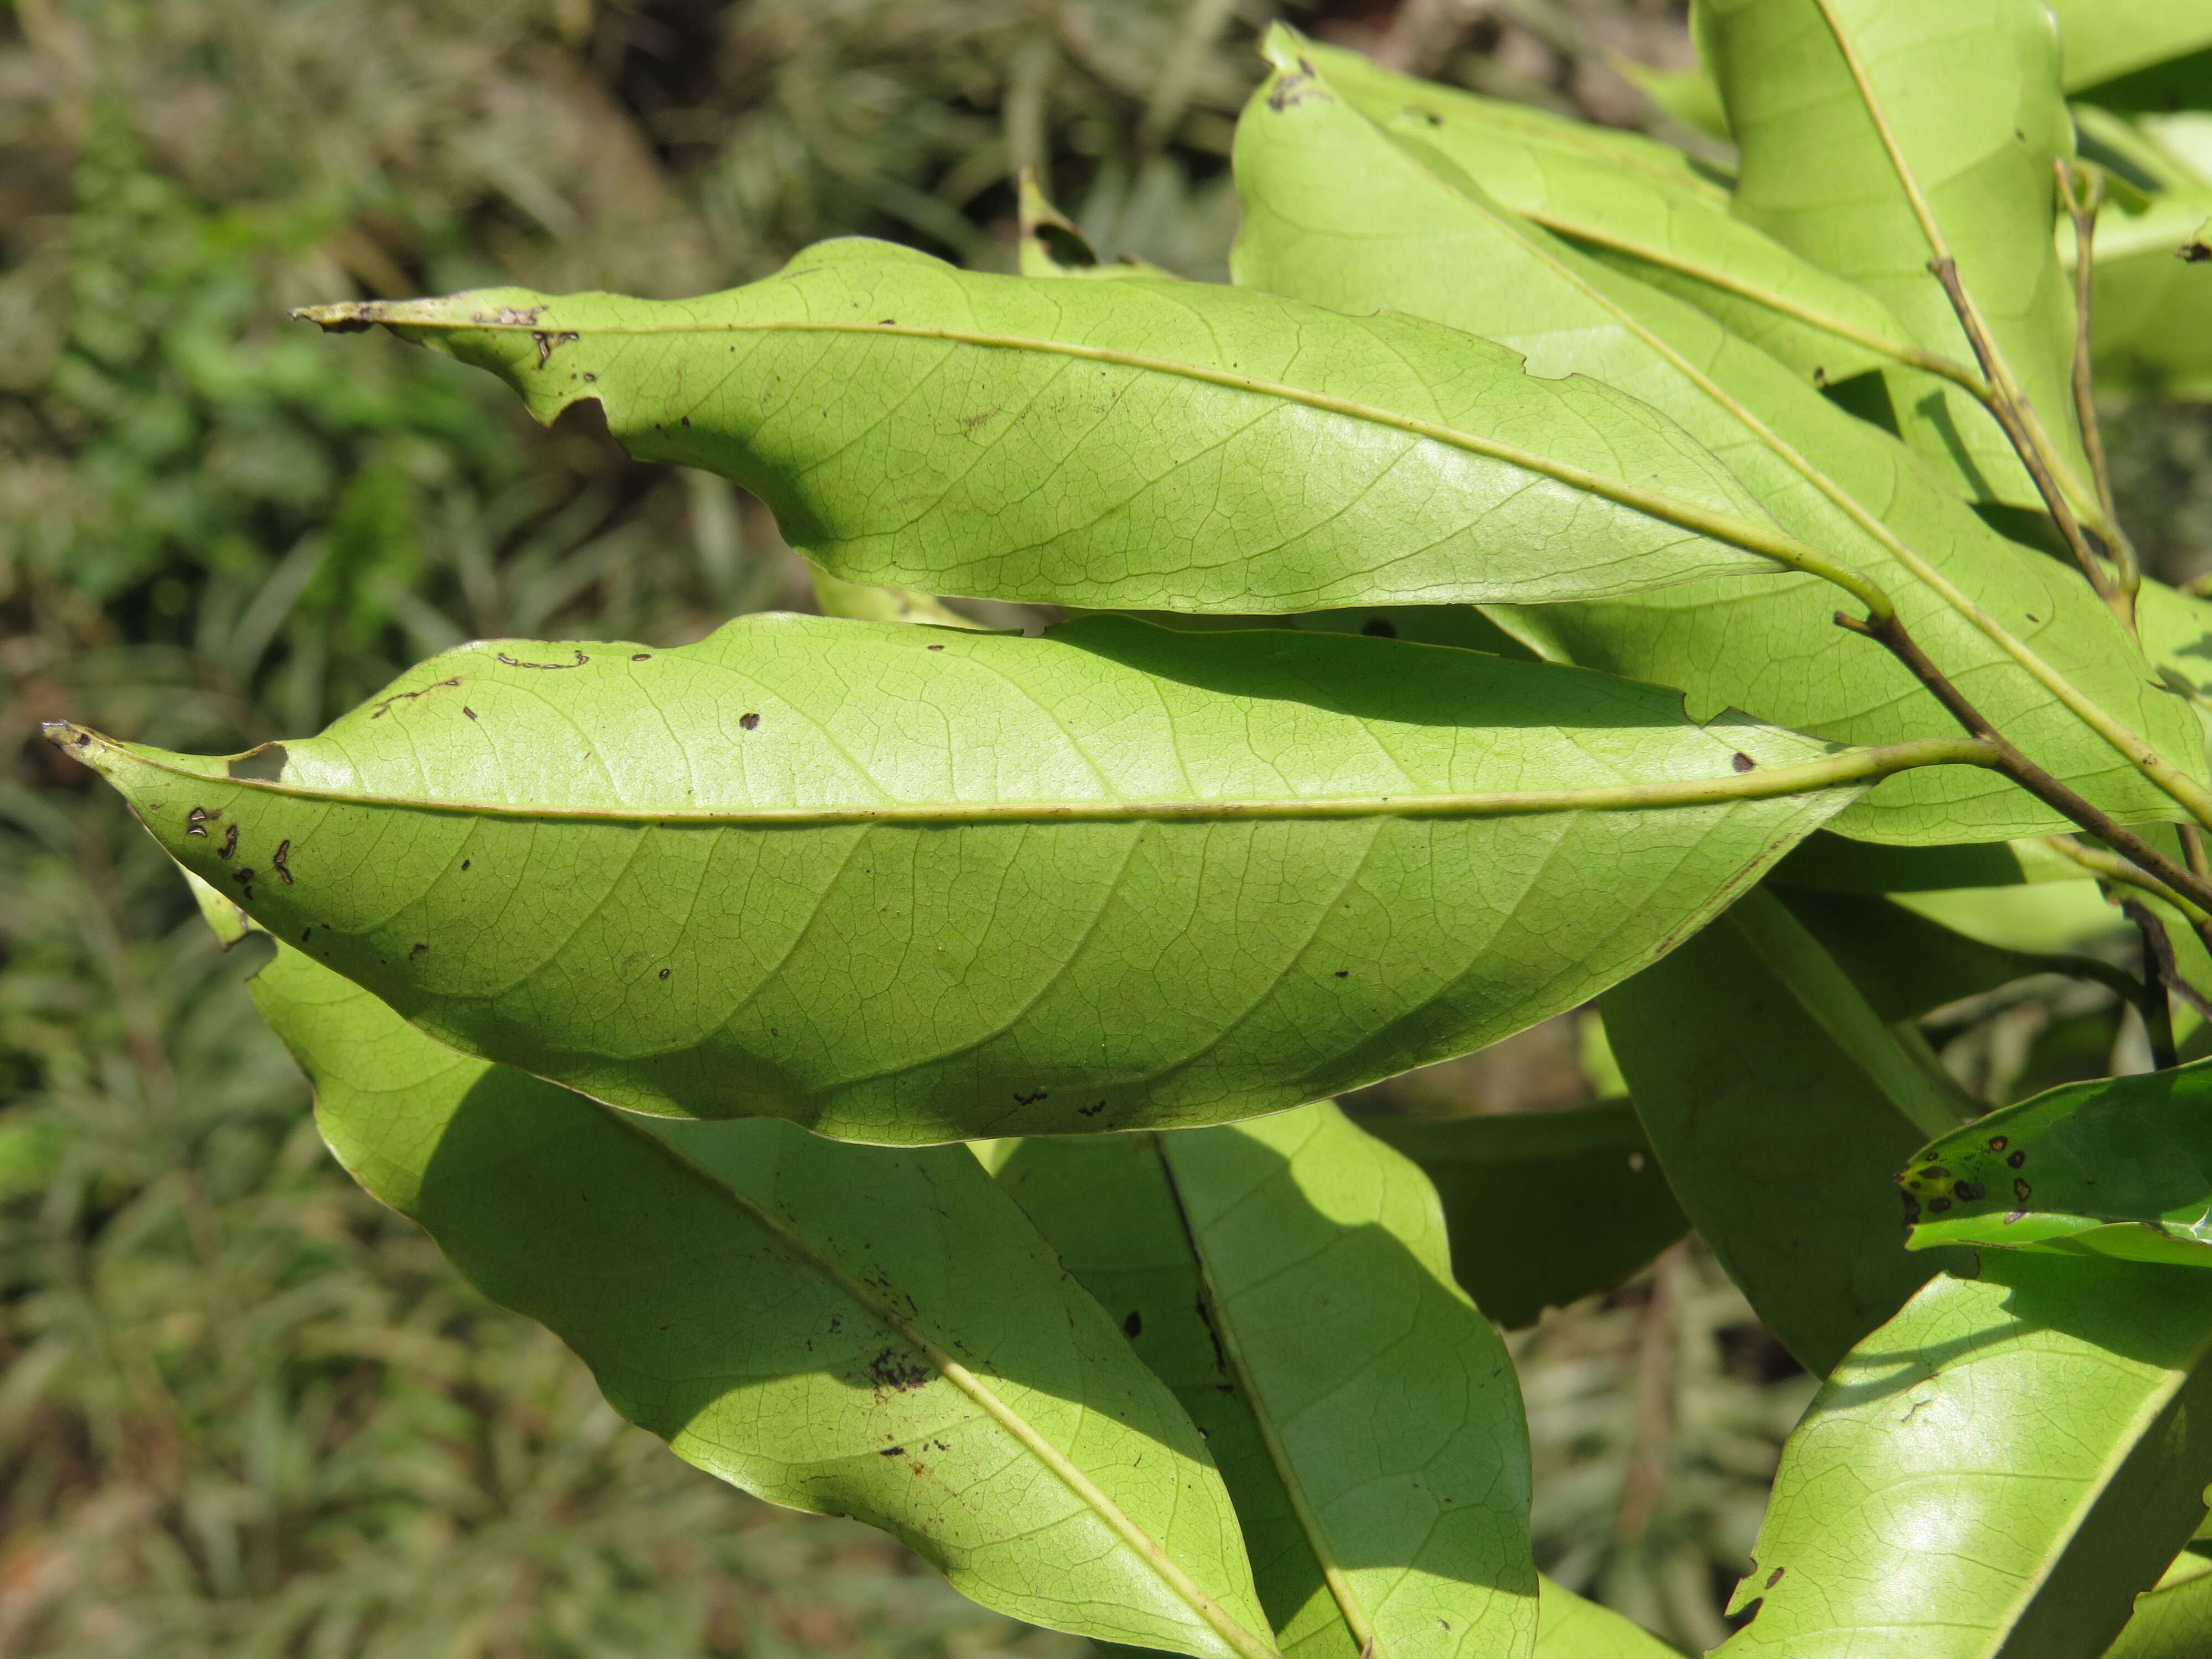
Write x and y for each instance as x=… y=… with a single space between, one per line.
x=2022 y=1191
x=664 y=973
x=242 y=875
x=466 y=862
x=229 y=844
x=2194 y=251
x=1344 y=972
x=892 y=1451
x=640 y=656
x=749 y=722
x=470 y=712
x=1775 y=1578
x=417 y=950
x=1133 y=1325
x=687 y=420
x=2016 y=1160
x=937 y=648
x=304 y=932
x=1379 y=627
x=1741 y=762
x=1029 y=1100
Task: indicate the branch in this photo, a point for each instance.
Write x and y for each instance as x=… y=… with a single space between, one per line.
x=2083 y=192
x=2010 y=763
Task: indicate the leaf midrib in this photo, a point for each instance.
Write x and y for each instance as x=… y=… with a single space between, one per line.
x=1851 y=767
x=1154 y=1554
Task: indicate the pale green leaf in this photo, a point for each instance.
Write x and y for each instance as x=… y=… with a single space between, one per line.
x=1995 y=1473
x=1624 y=198
x=2175 y=1621
x=908 y=885
x=2102 y=39
x=1781 y=1107
x=851 y=1330
x=1288 y=1276
x=1970 y=91
x=1337 y=211
x=1155 y=443
x=2150 y=310
x=2118 y=1167
x=1570 y=1627
x=1543 y=1208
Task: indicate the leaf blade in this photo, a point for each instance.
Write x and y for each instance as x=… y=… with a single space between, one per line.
x=1057 y=437
x=1336 y=212
x=508 y=853
x=1381 y=1460
x=570 y=1214
x=1931 y=1494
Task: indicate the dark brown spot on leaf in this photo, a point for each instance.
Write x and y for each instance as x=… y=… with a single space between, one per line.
x=1937 y=1206
x=749 y=722
x=1133 y=1325
x=2016 y=1160
x=1998 y=1143
x=277 y=860
x=1775 y=1578
x=229 y=842
x=514 y=662
x=2022 y=1191
x=664 y=973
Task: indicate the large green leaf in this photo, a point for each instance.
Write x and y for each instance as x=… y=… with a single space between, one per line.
x=2103 y=39
x=2119 y=1167
x=1542 y=1208
x=1339 y=211
x=847 y=1329
x=1995 y=1473
x=1287 y=1277
x=1149 y=443
x=907 y=884
x=1626 y=198
x=1781 y=1107
x=1970 y=93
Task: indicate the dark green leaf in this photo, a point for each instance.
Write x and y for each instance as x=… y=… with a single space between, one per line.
x=1780 y=1107
x=2119 y=1167
x=1543 y=1208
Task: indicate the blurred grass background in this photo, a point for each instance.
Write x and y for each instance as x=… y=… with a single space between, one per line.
x=243 y=1411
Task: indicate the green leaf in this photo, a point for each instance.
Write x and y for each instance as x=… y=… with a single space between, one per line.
x=2150 y=312
x=1995 y=1473
x=1543 y=1208
x=2119 y=1167
x=1780 y=1107
x=1149 y=443
x=849 y=1330
x=1628 y=200
x=1288 y=1278
x=1816 y=175
x=1906 y=964
x=908 y=885
x=2104 y=39
x=1338 y=212
x=2175 y=1621
x=1829 y=863
x=1573 y=1628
